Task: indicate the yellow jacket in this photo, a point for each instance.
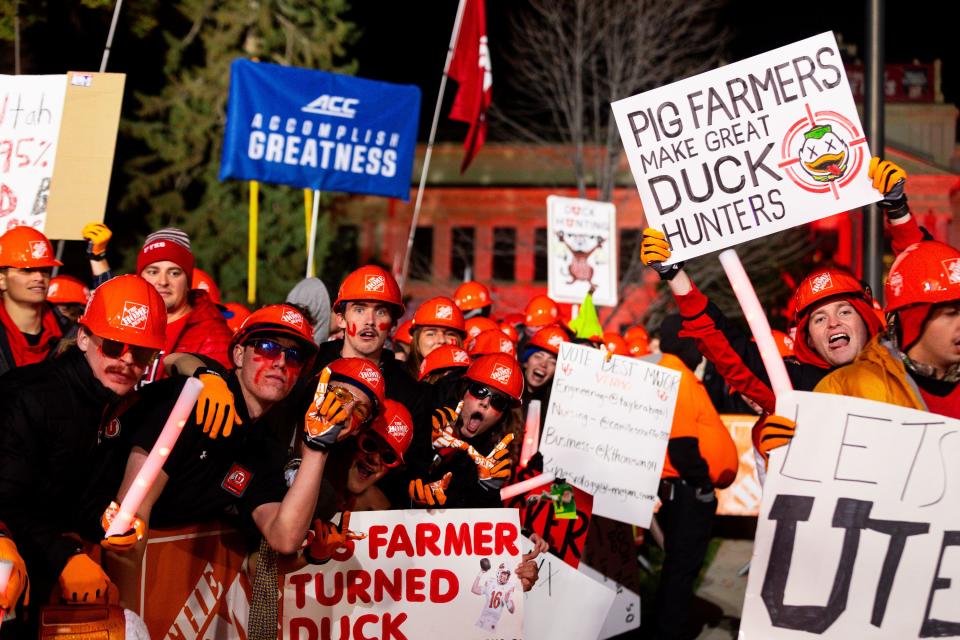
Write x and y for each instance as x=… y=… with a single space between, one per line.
x=876 y=374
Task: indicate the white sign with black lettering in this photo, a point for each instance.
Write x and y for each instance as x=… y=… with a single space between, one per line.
x=582 y=242
x=859 y=530
x=607 y=429
x=749 y=149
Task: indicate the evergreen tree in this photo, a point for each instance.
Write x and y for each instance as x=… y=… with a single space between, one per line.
x=174 y=180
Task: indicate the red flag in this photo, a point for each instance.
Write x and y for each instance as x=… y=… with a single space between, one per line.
x=470 y=67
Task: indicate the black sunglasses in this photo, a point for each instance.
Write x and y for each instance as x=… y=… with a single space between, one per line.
x=296 y=357
x=498 y=401
x=370 y=444
x=142 y=356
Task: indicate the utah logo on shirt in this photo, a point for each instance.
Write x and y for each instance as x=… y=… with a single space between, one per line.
x=237 y=480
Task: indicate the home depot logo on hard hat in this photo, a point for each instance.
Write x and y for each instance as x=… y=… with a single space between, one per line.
x=135 y=315
x=444 y=312
x=398 y=429
x=293 y=318
x=953 y=270
x=461 y=356
x=821 y=283
x=54 y=287
x=370 y=375
x=376 y=284
x=502 y=374
x=38 y=249
x=506 y=346
x=555 y=341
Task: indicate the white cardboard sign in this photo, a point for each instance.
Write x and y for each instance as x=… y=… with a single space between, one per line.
x=30 y=111
x=607 y=429
x=417 y=574
x=582 y=250
x=749 y=149
x=859 y=530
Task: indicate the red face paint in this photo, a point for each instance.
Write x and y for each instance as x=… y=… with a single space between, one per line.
x=384 y=326
x=351 y=329
x=262 y=366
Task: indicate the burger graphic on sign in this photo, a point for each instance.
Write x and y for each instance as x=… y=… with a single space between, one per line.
x=823 y=154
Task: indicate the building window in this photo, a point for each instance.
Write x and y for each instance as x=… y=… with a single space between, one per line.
x=540 y=254
x=504 y=253
x=630 y=254
x=461 y=252
x=421 y=260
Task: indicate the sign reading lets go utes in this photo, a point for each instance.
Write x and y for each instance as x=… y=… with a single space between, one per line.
x=749 y=149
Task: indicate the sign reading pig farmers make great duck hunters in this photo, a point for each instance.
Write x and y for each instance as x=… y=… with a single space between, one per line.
x=752 y=148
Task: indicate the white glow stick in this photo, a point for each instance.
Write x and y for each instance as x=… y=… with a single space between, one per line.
x=158 y=455
x=753 y=312
x=6 y=568
x=531 y=434
x=522 y=487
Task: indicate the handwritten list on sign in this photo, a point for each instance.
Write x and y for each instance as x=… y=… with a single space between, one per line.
x=607 y=429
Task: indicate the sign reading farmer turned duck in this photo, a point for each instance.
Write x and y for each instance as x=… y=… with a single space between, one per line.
x=749 y=149
x=319 y=130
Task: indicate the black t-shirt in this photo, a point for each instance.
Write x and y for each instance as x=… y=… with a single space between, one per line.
x=208 y=478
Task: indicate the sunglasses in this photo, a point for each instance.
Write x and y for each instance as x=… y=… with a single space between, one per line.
x=295 y=356
x=362 y=411
x=142 y=356
x=498 y=401
x=369 y=443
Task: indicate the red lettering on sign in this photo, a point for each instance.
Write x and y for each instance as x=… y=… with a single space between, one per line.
x=453 y=586
x=299 y=581
x=303 y=623
x=382 y=584
x=321 y=594
x=506 y=538
x=416 y=585
x=428 y=537
x=376 y=535
x=457 y=541
x=358 y=581
x=391 y=627
x=367 y=618
x=483 y=536
x=400 y=538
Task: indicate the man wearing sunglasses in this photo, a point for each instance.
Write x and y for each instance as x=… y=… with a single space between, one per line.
x=58 y=433
x=491 y=388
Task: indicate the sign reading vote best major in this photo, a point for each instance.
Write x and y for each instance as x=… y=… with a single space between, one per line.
x=859 y=528
x=749 y=149
x=319 y=130
x=607 y=429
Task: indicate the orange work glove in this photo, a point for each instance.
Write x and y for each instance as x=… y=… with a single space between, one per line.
x=83 y=581
x=215 y=406
x=775 y=431
x=326 y=422
x=17 y=580
x=432 y=494
x=327 y=538
x=493 y=471
x=443 y=420
x=121 y=541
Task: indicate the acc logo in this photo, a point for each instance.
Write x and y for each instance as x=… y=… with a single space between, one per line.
x=39 y=249
x=112 y=430
x=377 y=284
x=134 y=315
x=292 y=317
x=953 y=270
x=828 y=148
x=461 y=356
x=501 y=374
x=444 y=312
x=327 y=105
x=821 y=283
x=371 y=375
x=398 y=429
x=237 y=480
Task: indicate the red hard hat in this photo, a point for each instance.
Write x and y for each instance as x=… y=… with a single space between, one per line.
x=472 y=295
x=510 y=331
x=784 y=343
x=541 y=311
x=127 y=309
x=361 y=373
x=476 y=326
x=276 y=319
x=639 y=346
x=395 y=426
x=402 y=334
x=202 y=280
x=924 y=273
x=26 y=248
x=443 y=357
x=491 y=341
x=549 y=339
x=498 y=371
x=67 y=290
x=635 y=332
x=514 y=319
x=370 y=282
x=239 y=314
x=439 y=312
x=615 y=344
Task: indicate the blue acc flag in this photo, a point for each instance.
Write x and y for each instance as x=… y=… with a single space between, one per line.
x=319 y=130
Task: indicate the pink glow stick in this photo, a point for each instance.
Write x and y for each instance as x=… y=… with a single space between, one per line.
x=522 y=487
x=6 y=568
x=531 y=434
x=757 y=319
x=158 y=455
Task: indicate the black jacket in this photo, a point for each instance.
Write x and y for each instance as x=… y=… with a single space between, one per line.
x=54 y=448
x=67 y=328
